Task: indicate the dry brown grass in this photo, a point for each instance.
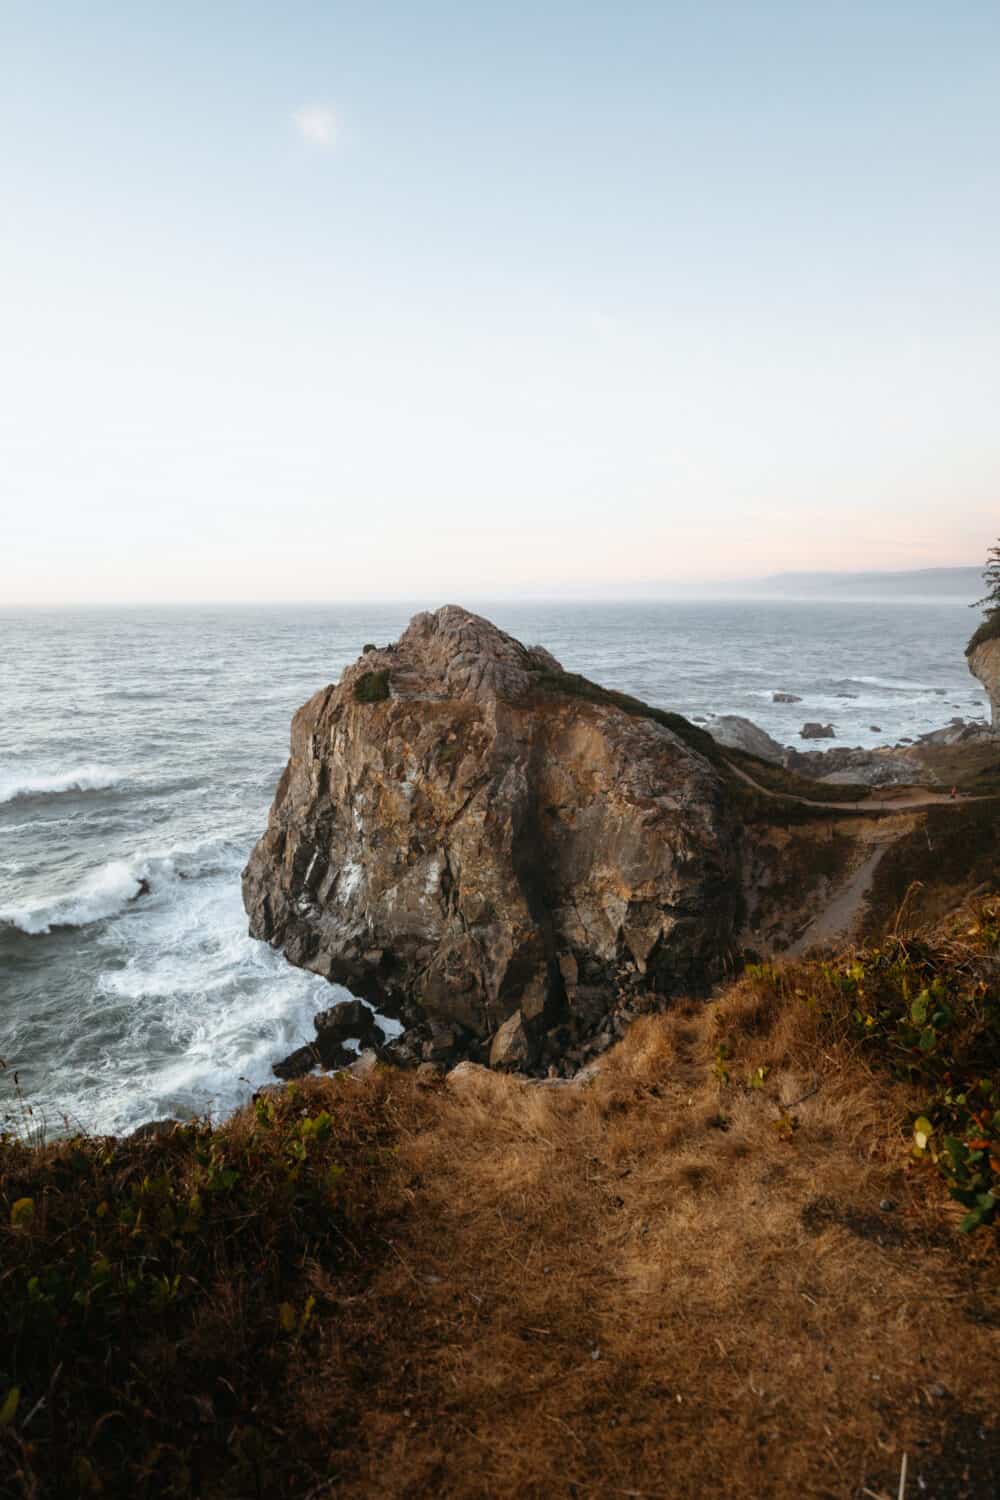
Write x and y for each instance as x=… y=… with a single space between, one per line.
x=662 y=1286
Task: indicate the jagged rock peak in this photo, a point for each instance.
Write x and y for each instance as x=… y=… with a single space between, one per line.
x=454 y=651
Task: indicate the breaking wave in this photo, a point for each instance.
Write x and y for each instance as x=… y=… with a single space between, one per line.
x=22 y=784
x=108 y=890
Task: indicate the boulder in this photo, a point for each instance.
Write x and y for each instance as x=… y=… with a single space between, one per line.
x=850 y=765
x=817 y=732
x=512 y=1047
x=785 y=698
x=464 y=831
x=743 y=734
x=298 y=1063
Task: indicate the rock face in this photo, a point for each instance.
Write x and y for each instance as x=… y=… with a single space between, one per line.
x=743 y=734
x=845 y=765
x=984 y=663
x=464 y=832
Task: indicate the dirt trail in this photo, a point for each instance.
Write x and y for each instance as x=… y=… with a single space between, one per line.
x=906 y=799
x=838 y=919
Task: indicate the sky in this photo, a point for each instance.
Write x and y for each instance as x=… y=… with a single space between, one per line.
x=338 y=301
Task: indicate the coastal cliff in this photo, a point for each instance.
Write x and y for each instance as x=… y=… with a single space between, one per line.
x=466 y=832
x=983 y=655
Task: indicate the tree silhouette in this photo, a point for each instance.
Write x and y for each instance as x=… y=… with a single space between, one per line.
x=991 y=577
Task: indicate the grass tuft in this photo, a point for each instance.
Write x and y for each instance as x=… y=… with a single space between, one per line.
x=372 y=687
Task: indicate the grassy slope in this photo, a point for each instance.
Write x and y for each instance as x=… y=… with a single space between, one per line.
x=675 y=1282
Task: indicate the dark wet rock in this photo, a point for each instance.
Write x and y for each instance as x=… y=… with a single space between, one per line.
x=785 y=698
x=812 y=731
x=350 y=1020
x=445 y=1042
x=298 y=1063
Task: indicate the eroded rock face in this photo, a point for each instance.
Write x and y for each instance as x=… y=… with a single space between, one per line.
x=984 y=663
x=463 y=832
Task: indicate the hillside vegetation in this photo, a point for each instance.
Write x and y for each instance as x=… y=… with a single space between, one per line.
x=733 y=1263
x=989 y=630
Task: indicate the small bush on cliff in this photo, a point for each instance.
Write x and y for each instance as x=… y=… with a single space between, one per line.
x=929 y=1014
x=159 y=1295
x=372 y=687
x=989 y=630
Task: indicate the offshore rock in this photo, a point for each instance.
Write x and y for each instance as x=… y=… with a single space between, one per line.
x=464 y=831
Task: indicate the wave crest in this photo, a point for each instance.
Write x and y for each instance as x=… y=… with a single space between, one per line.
x=22 y=784
x=108 y=890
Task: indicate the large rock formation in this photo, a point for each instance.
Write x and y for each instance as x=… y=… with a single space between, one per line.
x=984 y=662
x=464 y=832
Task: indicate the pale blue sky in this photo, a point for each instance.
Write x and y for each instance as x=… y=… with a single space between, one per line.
x=341 y=301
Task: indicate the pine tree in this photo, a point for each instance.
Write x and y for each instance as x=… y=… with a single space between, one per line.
x=991 y=577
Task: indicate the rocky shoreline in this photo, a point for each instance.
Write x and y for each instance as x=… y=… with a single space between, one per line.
x=514 y=863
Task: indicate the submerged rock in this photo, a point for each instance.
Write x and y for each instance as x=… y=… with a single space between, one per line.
x=464 y=831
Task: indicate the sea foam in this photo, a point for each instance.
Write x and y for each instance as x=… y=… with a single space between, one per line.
x=108 y=890
x=100 y=894
x=23 y=784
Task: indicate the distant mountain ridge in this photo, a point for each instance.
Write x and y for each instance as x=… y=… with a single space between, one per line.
x=951 y=583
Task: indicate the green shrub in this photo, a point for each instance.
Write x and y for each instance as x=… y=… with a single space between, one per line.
x=158 y=1293
x=372 y=687
x=989 y=630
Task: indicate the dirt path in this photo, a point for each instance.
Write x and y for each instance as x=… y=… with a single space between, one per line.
x=906 y=800
x=839 y=917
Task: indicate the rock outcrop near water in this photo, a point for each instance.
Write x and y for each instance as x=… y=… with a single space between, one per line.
x=467 y=835
x=984 y=663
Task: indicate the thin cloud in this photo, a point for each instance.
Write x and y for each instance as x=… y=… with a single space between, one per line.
x=317 y=124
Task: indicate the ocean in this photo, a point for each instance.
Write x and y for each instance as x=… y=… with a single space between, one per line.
x=140 y=749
